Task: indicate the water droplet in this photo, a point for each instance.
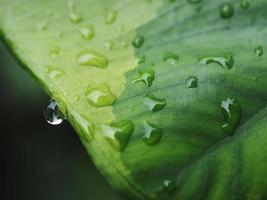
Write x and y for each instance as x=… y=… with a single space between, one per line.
x=171 y=58
x=227 y=10
x=74 y=17
x=147 y=77
x=192 y=82
x=108 y=46
x=141 y=59
x=259 y=51
x=53 y=72
x=52 y=113
x=226 y=62
x=119 y=133
x=54 y=51
x=244 y=4
x=92 y=58
x=111 y=17
x=87 y=32
x=100 y=95
x=76 y=98
x=154 y=104
x=43 y=26
x=152 y=134
x=169 y=186
x=232 y=113
x=138 y=41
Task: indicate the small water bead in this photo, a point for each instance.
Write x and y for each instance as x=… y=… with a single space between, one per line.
x=146 y=77
x=87 y=32
x=169 y=186
x=52 y=113
x=92 y=58
x=171 y=58
x=259 y=51
x=152 y=134
x=119 y=133
x=74 y=17
x=53 y=72
x=232 y=113
x=244 y=4
x=54 y=51
x=141 y=59
x=100 y=95
x=138 y=41
x=154 y=104
x=108 y=46
x=111 y=17
x=76 y=98
x=192 y=82
x=226 y=62
x=227 y=10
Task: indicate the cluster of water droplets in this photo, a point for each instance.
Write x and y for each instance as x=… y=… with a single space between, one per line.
x=101 y=95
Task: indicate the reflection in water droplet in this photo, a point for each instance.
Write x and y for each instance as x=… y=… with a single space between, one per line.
x=53 y=72
x=52 y=113
x=146 y=77
x=259 y=51
x=226 y=62
x=232 y=113
x=100 y=95
x=171 y=58
x=154 y=104
x=169 y=186
x=138 y=41
x=227 y=10
x=244 y=4
x=111 y=17
x=87 y=32
x=92 y=58
x=119 y=133
x=192 y=82
x=152 y=134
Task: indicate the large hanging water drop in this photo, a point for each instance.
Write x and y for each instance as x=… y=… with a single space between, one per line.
x=52 y=113
x=119 y=133
x=232 y=113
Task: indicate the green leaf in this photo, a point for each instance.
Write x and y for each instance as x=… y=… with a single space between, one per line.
x=200 y=63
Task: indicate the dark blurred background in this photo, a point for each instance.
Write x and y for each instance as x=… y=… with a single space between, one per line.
x=39 y=161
